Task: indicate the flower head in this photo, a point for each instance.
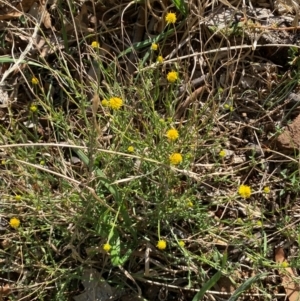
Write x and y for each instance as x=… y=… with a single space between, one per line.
x=170 y=18
x=154 y=46
x=161 y=244
x=105 y=103
x=259 y=223
x=172 y=76
x=245 y=191
x=14 y=222
x=284 y=264
x=228 y=107
x=160 y=59
x=222 y=153
x=130 y=149
x=189 y=204
x=172 y=134
x=181 y=243
x=18 y=197
x=115 y=103
x=95 y=44
x=33 y=108
x=267 y=189
x=34 y=80
x=106 y=247
x=175 y=158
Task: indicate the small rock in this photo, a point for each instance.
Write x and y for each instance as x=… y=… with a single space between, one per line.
x=289 y=140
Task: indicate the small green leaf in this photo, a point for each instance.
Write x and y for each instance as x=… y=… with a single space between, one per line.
x=115 y=252
x=125 y=257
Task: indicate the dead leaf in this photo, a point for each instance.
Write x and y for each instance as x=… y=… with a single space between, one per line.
x=225 y=285
x=37 y=10
x=95 y=106
x=4 y=291
x=21 y=8
x=34 y=11
x=46 y=17
x=25 y=5
x=220 y=242
x=81 y=22
x=4 y=98
x=96 y=288
x=287 y=275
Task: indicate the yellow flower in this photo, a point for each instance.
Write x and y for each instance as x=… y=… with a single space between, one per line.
x=245 y=191
x=172 y=134
x=259 y=223
x=181 y=243
x=105 y=103
x=284 y=264
x=14 y=222
x=267 y=189
x=115 y=103
x=172 y=76
x=154 y=46
x=161 y=244
x=239 y=221
x=160 y=59
x=34 y=80
x=220 y=90
x=171 y=18
x=106 y=247
x=33 y=108
x=130 y=149
x=95 y=44
x=18 y=197
x=222 y=153
x=175 y=158
x=190 y=204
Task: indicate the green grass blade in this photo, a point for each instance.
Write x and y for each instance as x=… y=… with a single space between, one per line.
x=241 y=289
x=112 y=189
x=99 y=174
x=147 y=43
x=181 y=6
x=9 y=59
x=211 y=282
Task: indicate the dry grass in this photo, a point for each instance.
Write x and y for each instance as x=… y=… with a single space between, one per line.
x=80 y=175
